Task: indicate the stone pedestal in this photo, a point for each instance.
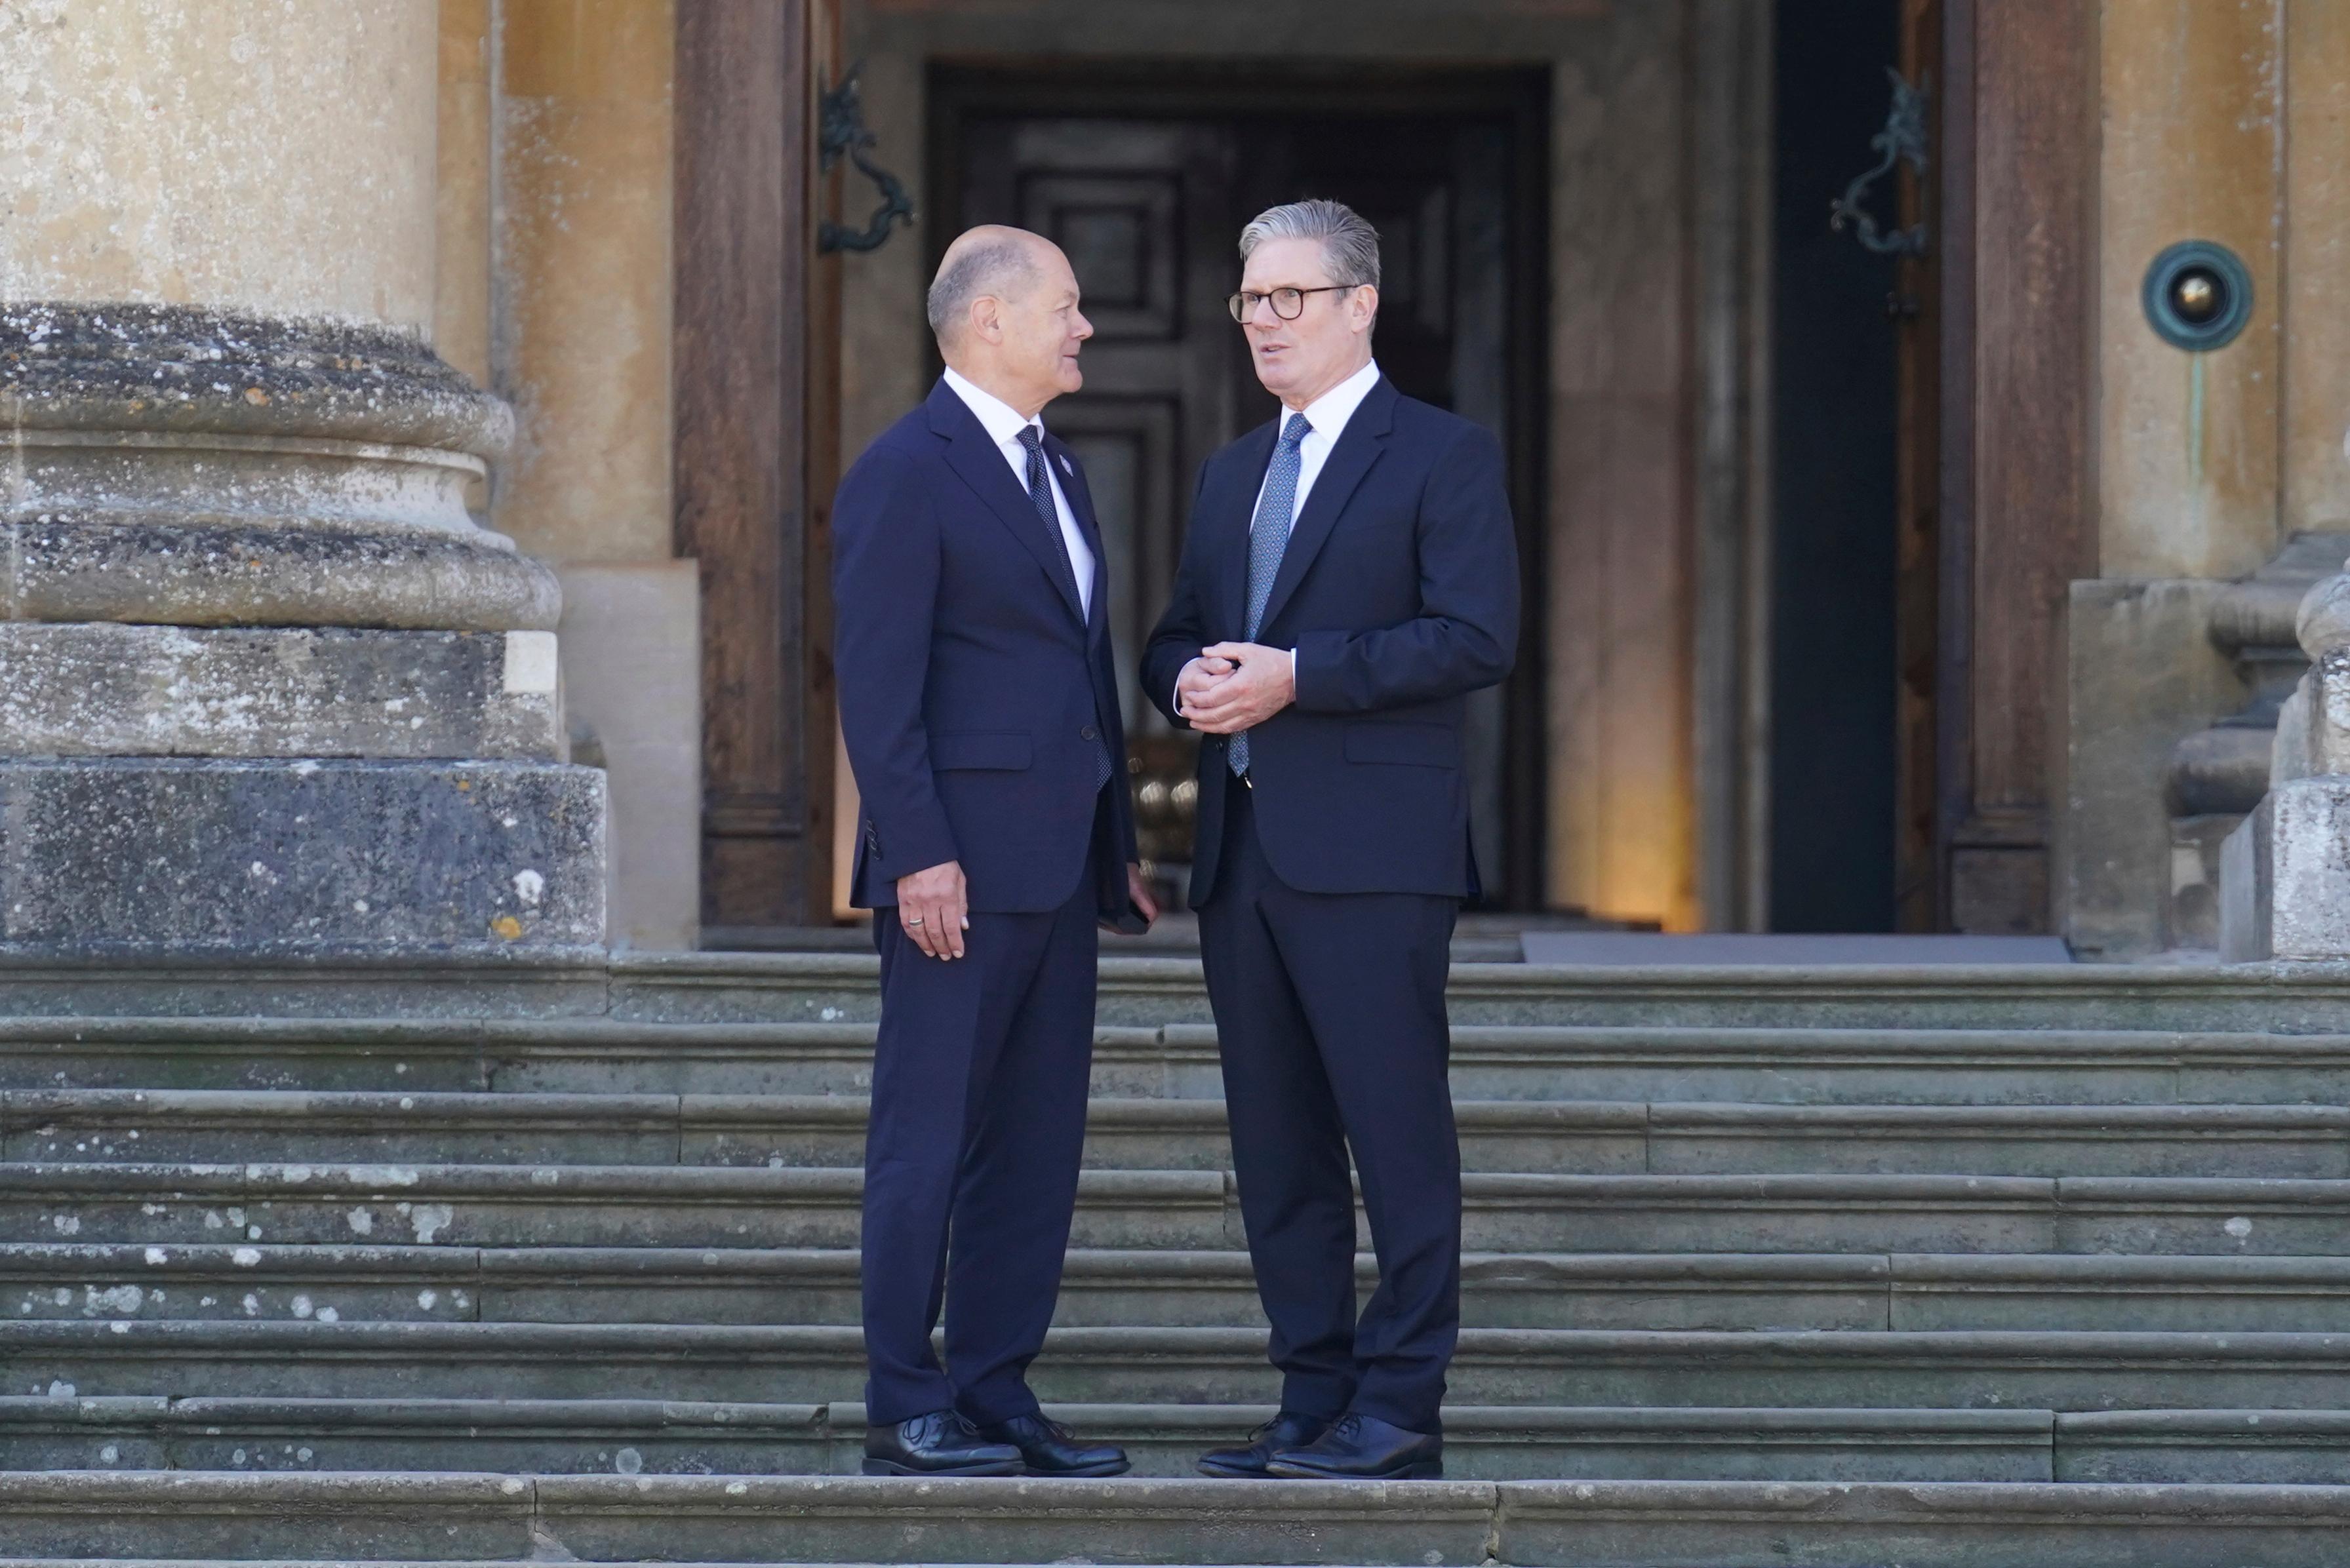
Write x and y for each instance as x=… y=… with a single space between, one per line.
x=2285 y=872
x=266 y=685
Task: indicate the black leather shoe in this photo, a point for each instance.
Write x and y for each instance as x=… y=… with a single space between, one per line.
x=939 y=1444
x=1286 y=1430
x=1046 y=1447
x=1363 y=1448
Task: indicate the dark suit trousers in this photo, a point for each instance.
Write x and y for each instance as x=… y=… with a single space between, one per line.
x=1330 y=1020
x=971 y=1158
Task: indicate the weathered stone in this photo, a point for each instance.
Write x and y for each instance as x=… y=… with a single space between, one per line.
x=2140 y=657
x=252 y=492
x=2192 y=918
x=106 y=690
x=87 y=1514
x=2286 y=876
x=244 y=855
x=1670 y=1524
x=200 y=467
x=2323 y=622
x=70 y=567
x=2293 y=1448
x=1699 y=1001
x=612 y=1518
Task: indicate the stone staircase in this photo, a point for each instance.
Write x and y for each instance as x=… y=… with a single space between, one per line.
x=555 y=1260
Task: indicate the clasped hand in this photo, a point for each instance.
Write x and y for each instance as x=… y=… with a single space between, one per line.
x=1235 y=686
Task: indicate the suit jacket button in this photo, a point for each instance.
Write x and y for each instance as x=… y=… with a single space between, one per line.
x=1087 y=733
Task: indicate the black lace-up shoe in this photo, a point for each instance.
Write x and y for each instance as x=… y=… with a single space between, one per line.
x=1286 y=1430
x=1046 y=1447
x=1363 y=1448
x=939 y=1444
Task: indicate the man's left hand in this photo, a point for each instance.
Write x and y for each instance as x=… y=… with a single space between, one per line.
x=1139 y=889
x=1264 y=684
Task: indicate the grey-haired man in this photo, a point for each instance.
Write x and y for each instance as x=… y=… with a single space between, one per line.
x=1350 y=575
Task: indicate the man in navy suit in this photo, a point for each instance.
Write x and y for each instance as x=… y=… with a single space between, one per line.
x=979 y=702
x=1350 y=577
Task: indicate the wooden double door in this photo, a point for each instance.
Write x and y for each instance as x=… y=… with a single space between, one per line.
x=1147 y=187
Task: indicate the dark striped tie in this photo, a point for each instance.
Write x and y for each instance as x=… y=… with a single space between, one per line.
x=1268 y=539
x=1040 y=496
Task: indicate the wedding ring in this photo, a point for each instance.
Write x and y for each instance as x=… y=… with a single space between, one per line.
x=915 y=921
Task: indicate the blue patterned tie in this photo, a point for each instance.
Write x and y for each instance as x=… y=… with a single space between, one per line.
x=1268 y=538
x=1040 y=495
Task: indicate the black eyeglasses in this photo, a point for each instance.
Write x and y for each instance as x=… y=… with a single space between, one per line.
x=1288 y=304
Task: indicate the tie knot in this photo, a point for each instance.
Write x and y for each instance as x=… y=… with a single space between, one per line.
x=1032 y=437
x=1294 y=432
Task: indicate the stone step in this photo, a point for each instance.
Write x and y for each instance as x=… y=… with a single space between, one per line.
x=1139 y=1289
x=1170 y=1134
x=191 y=1518
x=2056 y=1370
x=715 y=1206
x=2306 y=999
x=1887 y=1064
x=2291 y=999
x=657 y=1437
x=1482 y=1443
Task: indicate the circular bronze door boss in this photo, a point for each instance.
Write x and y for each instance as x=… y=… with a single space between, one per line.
x=2197 y=296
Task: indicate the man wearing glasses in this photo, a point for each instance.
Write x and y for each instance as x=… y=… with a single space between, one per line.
x=1350 y=577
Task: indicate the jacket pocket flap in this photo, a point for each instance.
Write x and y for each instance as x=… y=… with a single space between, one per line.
x=1415 y=745
x=1006 y=749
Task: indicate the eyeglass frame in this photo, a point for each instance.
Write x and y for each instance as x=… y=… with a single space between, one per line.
x=1243 y=312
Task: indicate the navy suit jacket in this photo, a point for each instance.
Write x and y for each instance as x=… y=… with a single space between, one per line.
x=972 y=690
x=1399 y=592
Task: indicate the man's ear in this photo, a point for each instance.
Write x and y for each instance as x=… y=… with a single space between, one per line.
x=987 y=317
x=1364 y=305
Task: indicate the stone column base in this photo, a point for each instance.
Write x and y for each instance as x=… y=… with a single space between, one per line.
x=160 y=856
x=2286 y=875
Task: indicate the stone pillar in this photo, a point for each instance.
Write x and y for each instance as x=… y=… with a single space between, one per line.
x=265 y=685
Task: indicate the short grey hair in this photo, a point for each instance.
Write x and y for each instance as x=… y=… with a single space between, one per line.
x=1350 y=247
x=1000 y=267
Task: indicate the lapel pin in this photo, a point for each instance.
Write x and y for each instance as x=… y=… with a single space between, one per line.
x=1066 y=469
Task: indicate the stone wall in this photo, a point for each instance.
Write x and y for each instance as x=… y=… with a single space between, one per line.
x=554 y=233
x=2222 y=121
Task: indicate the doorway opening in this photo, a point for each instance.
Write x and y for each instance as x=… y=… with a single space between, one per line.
x=1145 y=180
x=1853 y=569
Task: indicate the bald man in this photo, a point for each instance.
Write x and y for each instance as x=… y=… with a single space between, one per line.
x=980 y=705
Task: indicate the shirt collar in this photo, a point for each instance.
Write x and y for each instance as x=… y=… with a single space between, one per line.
x=1329 y=412
x=999 y=419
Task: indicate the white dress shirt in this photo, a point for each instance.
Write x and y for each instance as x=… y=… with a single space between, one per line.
x=1328 y=415
x=1003 y=424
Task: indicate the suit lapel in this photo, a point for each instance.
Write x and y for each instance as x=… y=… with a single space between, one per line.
x=972 y=455
x=1240 y=514
x=1359 y=446
x=1081 y=503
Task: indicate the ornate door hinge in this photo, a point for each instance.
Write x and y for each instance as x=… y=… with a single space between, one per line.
x=840 y=129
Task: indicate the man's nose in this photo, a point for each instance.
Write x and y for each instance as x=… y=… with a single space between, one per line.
x=1085 y=329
